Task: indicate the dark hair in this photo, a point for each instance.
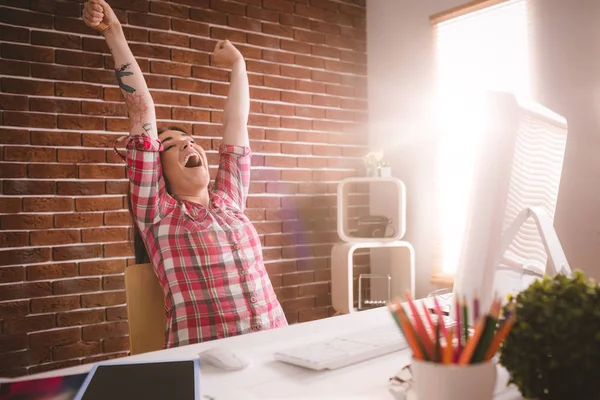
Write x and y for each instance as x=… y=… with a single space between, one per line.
x=139 y=248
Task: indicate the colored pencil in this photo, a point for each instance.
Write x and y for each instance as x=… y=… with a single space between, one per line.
x=448 y=350
x=412 y=336
x=467 y=354
x=465 y=312
x=499 y=337
x=420 y=327
x=438 y=310
x=488 y=333
x=476 y=307
x=438 y=345
x=458 y=333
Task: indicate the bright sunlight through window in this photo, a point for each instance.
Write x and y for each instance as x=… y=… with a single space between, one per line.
x=476 y=52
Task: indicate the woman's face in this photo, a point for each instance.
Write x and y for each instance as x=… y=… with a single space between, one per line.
x=184 y=163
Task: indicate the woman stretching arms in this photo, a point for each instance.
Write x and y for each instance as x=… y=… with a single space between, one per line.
x=204 y=250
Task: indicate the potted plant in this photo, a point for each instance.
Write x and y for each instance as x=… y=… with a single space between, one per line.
x=553 y=350
x=376 y=166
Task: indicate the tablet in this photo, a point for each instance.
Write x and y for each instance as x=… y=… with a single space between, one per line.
x=148 y=380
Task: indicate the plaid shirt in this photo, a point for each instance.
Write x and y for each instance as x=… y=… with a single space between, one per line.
x=208 y=260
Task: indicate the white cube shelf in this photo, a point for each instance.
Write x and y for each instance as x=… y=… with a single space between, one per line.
x=400 y=266
x=397 y=214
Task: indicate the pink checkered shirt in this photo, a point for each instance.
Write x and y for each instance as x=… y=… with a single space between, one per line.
x=208 y=260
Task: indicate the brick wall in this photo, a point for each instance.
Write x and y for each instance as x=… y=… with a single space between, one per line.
x=65 y=230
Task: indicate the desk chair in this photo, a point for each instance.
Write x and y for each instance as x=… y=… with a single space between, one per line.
x=145 y=309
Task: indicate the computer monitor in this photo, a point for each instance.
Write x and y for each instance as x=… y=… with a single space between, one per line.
x=510 y=212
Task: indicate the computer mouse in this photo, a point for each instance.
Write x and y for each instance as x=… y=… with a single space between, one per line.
x=224 y=358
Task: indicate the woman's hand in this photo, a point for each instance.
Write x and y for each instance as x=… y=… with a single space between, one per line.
x=225 y=54
x=97 y=14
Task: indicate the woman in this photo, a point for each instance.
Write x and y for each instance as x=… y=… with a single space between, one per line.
x=205 y=252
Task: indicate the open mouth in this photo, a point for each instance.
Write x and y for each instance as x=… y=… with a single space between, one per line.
x=192 y=160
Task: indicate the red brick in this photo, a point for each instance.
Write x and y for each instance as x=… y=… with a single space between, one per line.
x=103 y=299
x=56 y=7
x=23 y=290
x=12 y=274
x=27 y=53
x=26 y=358
x=118 y=187
x=117 y=218
x=118 y=250
x=79 y=317
x=209 y=16
x=328 y=101
x=325 y=27
x=81 y=156
x=308 y=86
x=208 y=102
x=190 y=85
x=309 y=112
x=281 y=5
x=14 y=34
x=10 y=205
x=113 y=345
x=82 y=285
x=25 y=18
x=13 y=239
x=344 y=43
x=277 y=56
x=262 y=14
x=221 y=89
x=16 y=118
x=101 y=171
x=325 y=4
x=10 y=343
x=54 y=105
x=170 y=68
x=80 y=188
x=20 y=86
x=263 y=41
x=14 y=136
x=295 y=21
x=323 y=76
x=190 y=114
x=170 y=39
x=228 y=7
x=351 y=9
x=103 y=331
x=297 y=47
x=80 y=123
x=78 y=90
x=104 y=235
x=277 y=109
x=324 y=51
x=76 y=252
x=172 y=10
x=298 y=98
x=113 y=282
x=189 y=57
x=263 y=120
x=26 y=221
x=13 y=170
x=75 y=25
x=47 y=204
x=294 y=305
x=144 y=50
x=15 y=68
x=51 y=271
x=116 y=313
x=103 y=108
x=53 y=304
x=295 y=123
x=9 y=309
x=54 y=237
x=311 y=315
x=51 y=171
x=76 y=350
x=227 y=34
x=19 y=187
x=54 y=39
x=202 y=44
x=244 y=23
x=147 y=20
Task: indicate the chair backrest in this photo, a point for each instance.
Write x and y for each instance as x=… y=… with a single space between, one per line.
x=145 y=309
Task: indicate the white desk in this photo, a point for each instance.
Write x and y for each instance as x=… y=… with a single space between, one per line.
x=267 y=378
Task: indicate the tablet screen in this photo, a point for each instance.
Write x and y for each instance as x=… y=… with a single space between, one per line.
x=149 y=381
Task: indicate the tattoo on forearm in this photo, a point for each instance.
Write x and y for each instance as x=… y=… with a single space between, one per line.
x=122 y=72
x=147 y=128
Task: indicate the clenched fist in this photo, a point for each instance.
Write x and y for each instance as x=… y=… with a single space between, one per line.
x=225 y=54
x=99 y=15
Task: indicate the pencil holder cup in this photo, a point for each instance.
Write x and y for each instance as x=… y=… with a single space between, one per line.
x=433 y=381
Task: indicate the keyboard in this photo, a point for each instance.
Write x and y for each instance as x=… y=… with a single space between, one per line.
x=344 y=350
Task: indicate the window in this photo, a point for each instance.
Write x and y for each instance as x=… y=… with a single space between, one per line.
x=476 y=50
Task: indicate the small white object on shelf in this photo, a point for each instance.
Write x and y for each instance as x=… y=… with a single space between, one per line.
x=397 y=215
